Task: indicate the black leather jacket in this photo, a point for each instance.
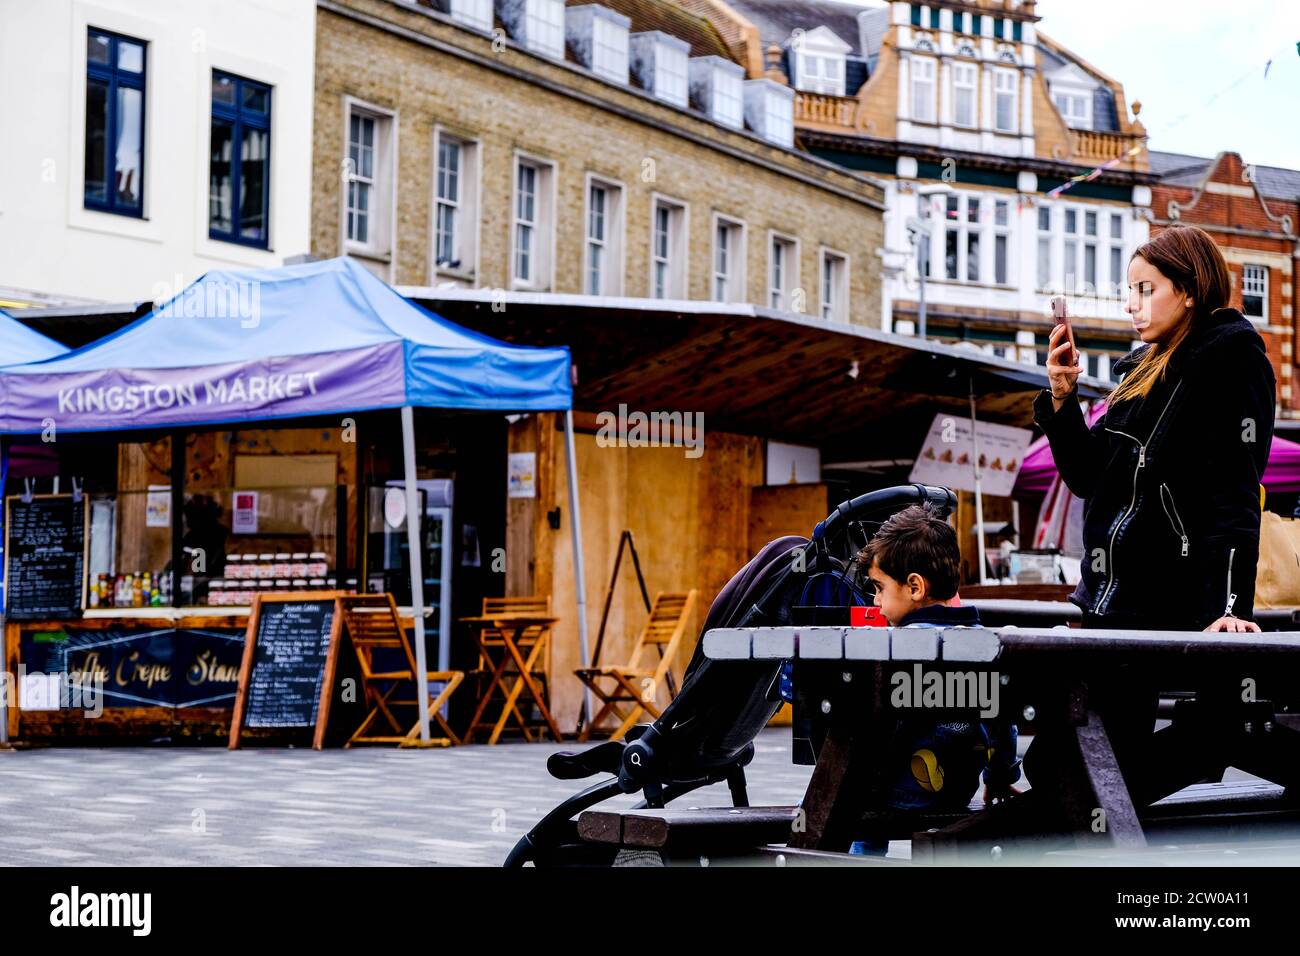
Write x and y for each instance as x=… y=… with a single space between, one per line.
x=1171 y=482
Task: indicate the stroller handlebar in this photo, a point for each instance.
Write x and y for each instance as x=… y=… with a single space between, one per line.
x=887 y=500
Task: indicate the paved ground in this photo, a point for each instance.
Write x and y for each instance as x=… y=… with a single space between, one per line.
x=166 y=806
x=175 y=806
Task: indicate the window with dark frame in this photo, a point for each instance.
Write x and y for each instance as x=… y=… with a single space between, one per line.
x=115 y=101
x=239 y=168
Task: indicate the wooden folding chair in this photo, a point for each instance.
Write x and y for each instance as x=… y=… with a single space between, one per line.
x=373 y=624
x=492 y=658
x=626 y=684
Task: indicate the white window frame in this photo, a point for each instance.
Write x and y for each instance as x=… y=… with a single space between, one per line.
x=1075 y=246
x=781 y=118
x=469 y=203
x=819 y=70
x=959 y=86
x=542 y=253
x=780 y=291
x=544 y=27
x=926 y=94
x=612 y=244
x=1002 y=231
x=381 y=228
x=1045 y=242
x=677 y=274
x=722 y=82
x=837 y=309
x=1255 y=285
x=1065 y=98
x=476 y=14
x=666 y=56
x=733 y=279
x=961 y=228
x=609 y=50
x=1000 y=95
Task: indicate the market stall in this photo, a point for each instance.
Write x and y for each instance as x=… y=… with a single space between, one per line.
x=209 y=453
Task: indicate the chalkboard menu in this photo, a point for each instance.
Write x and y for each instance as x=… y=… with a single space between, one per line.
x=45 y=553
x=289 y=657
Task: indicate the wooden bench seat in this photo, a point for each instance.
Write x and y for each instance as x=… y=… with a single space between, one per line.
x=701 y=828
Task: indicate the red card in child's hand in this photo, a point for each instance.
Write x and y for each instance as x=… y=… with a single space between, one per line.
x=867 y=617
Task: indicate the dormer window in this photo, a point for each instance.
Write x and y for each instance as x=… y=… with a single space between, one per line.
x=819 y=61
x=1072 y=90
x=598 y=36
x=717 y=89
x=537 y=24
x=1075 y=107
x=769 y=111
x=659 y=63
x=473 y=13
x=820 y=74
x=609 y=55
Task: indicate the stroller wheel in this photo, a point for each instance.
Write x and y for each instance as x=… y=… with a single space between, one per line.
x=638 y=858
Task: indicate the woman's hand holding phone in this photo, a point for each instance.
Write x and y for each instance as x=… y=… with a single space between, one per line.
x=1062 y=357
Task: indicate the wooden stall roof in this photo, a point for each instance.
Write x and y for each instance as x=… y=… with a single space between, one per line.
x=78 y=325
x=755 y=370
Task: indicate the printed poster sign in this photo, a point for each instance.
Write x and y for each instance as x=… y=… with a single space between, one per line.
x=522 y=479
x=946 y=455
x=158 y=507
x=244 y=517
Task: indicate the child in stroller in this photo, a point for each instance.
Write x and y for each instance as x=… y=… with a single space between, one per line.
x=913 y=562
x=705 y=735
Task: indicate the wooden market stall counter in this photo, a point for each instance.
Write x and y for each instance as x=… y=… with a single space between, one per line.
x=166 y=672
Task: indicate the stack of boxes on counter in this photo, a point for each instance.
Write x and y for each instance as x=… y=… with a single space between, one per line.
x=249 y=574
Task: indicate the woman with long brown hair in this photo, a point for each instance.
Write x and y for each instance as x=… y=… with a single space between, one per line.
x=1170 y=474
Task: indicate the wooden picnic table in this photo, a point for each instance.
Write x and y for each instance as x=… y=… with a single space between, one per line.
x=514 y=638
x=1068 y=687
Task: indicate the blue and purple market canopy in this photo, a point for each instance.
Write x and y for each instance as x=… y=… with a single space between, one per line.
x=246 y=345
x=315 y=339
x=19 y=344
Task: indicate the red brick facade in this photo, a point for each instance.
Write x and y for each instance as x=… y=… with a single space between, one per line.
x=1252 y=229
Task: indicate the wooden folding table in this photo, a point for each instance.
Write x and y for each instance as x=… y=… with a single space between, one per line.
x=518 y=631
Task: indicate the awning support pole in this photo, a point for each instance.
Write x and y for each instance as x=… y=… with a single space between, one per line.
x=7 y=681
x=579 y=579
x=979 y=498
x=413 y=517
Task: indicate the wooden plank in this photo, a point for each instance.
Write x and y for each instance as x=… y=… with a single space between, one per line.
x=708 y=827
x=689 y=518
x=601 y=826
x=856 y=743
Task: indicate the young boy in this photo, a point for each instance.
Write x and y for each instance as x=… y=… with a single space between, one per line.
x=914 y=561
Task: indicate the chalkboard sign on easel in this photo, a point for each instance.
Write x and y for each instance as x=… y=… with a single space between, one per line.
x=291 y=651
x=45 y=556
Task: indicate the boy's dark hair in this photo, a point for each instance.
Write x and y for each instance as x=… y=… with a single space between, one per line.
x=916 y=540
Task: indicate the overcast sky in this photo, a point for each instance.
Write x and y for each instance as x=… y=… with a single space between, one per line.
x=1175 y=55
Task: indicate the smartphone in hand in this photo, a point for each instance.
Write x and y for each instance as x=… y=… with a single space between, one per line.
x=1060 y=318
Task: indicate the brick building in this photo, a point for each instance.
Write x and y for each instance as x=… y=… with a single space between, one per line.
x=1253 y=212
x=613 y=149
x=972 y=116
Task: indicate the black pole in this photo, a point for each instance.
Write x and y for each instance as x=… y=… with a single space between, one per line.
x=178 y=514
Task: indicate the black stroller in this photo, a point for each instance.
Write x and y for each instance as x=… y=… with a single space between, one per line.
x=706 y=734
